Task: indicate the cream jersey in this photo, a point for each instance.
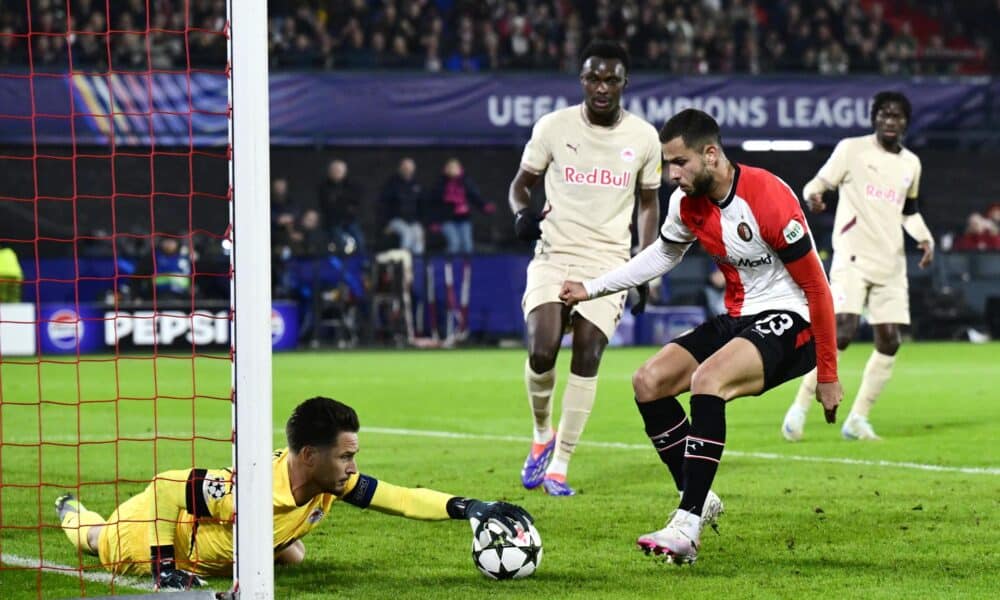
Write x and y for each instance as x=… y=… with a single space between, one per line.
x=874 y=184
x=591 y=177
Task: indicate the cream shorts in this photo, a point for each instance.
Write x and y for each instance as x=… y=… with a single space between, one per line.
x=545 y=279
x=852 y=291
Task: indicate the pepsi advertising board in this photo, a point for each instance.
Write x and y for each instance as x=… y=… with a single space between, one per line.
x=67 y=329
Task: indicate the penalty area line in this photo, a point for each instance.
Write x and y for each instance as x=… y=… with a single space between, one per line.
x=736 y=453
x=68 y=571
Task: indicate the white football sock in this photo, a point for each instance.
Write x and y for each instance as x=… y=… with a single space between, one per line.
x=578 y=400
x=878 y=370
x=540 y=386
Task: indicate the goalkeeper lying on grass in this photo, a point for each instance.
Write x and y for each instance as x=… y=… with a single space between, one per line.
x=181 y=525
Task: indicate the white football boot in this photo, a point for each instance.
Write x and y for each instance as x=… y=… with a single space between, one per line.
x=795 y=423
x=857 y=427
x=711 y=511
x=678 y=541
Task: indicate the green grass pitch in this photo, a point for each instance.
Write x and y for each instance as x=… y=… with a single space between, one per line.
x=821 y=518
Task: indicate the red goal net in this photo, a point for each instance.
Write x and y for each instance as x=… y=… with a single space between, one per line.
x=115 y=270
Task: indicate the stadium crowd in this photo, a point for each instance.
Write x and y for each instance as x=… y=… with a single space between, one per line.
x=896 y=37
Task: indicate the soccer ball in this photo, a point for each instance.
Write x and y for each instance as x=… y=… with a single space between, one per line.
x=498 y=555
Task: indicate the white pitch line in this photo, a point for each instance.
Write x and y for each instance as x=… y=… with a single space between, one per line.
x=95 y=576
x=737 y=453
x=615 y=445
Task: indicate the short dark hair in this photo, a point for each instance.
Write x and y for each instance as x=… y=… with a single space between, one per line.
x=317 y=422
x=883 y=98
x=697 y=129
x=606 y=49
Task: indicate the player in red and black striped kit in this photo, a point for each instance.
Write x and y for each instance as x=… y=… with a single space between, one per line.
x=779 y=322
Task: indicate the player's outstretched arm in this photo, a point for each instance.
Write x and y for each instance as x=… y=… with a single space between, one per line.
x=429 y=505
x=660 y=257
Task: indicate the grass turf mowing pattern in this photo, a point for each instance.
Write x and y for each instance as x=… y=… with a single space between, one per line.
x=791 y=528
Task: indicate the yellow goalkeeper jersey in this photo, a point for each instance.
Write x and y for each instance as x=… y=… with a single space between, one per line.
x=200 y=505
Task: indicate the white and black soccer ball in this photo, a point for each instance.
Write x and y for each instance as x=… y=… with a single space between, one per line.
x=499 y=555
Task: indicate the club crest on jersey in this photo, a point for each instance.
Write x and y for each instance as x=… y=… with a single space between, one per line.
x=597 y=176
x=628 y=154
x=315 y=516
x=743 y=230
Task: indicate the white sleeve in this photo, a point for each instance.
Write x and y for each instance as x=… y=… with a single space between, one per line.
x=657 y=259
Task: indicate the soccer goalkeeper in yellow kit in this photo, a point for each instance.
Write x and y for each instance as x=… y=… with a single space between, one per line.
x=181 y=525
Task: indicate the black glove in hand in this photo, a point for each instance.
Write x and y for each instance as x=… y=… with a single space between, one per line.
x=640 y=306
x=166 y=575
x=527 y=225
x=508 y=515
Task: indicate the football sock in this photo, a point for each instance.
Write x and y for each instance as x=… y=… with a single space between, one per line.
x=77 y=524
x=540 y=386
x=578 y=400
x=877 y=373
x=806 y=395
x=667 y=427
x=705 y=443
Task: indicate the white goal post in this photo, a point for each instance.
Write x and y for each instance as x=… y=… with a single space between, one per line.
x=253 y=569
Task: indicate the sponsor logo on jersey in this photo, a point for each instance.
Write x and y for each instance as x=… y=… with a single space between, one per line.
x=744 y=262
x=873 y=192
x=597 y=176
x=572 y=147
x=65 y=329
x=743 y=230
x=628 y=155
x=793 y=232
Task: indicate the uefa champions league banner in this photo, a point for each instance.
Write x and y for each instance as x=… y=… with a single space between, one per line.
x=421 y=108
x=69 y=329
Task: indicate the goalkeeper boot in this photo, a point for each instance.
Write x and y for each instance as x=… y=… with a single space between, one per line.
x=65 y=504
x=857 y=427
x=678 y=541
x=538 y=460
x=794 y=424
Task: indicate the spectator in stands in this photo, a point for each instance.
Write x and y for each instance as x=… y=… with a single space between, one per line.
x=454 y=196
x=340 y=201
x=167 y=271
x=981 y=234
x=401 y=207
x=284 y=235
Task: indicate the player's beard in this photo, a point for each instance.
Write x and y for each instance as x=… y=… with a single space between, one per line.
x=702 y=183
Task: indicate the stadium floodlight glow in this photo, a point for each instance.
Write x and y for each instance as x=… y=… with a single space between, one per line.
x=777 y=145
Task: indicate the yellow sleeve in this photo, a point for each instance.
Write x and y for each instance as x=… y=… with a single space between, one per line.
x=202 y=493
x=167 y=491
x=413 y=503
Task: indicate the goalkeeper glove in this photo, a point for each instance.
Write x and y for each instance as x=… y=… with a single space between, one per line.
x=640 y=306
x=166 y=575
x=476 y=511
x=527 y=225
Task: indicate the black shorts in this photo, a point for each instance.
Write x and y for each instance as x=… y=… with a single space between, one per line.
x=783 y=338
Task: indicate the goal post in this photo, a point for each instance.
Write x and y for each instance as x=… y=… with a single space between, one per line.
x=253 y=569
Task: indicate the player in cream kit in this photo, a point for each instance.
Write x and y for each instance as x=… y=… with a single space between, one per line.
x=594 y=156
x=878 y=181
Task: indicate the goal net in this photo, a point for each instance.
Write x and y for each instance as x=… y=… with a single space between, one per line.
x=134 y=226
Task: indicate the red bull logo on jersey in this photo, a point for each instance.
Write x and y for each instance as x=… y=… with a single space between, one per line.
x=873 y=192
x=597 y=176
